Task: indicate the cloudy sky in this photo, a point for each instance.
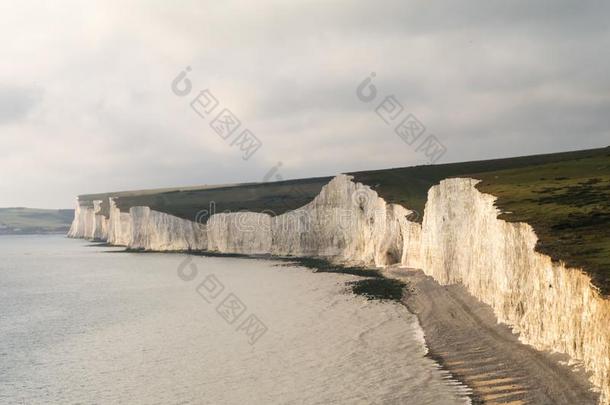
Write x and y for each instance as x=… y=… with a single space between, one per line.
x=86 y=102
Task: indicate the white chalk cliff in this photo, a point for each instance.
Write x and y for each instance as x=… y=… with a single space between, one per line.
x=241 y=232
x=552 y=307
x=119 y=226
x=153 y=230
x=88 y=223
x=461 y=240
x=77 y=229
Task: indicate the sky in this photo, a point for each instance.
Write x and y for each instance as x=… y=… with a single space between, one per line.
x=91 y=99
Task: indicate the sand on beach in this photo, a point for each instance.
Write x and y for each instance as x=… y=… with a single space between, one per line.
x=464 y=336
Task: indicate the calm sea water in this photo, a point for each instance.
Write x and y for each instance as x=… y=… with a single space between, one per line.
x=93 y=325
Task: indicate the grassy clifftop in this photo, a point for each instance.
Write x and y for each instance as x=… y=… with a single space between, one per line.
x=564 y=196
x=409 y=186
x=199 y=203
x=568 y=205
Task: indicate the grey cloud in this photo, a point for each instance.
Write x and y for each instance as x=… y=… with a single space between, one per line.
x=17 y=102
x=489 y=78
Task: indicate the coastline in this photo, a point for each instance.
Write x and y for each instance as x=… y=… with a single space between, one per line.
x=465 y=337
x=554 y=308
x=487 y=358
x=320 y=265
x=34 y=233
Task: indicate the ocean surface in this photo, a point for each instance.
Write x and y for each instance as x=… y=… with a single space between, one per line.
x=90 y=324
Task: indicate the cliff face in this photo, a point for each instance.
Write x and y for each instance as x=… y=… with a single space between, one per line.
x=349 y=223
x=461 y=240
x=77 y=229
x=152 y=230
x=100 y=224
x=119 y=226
x=553 y=307
x=239 y=232
x=88 y=223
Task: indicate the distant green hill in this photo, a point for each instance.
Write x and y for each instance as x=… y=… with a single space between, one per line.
x=22 y=221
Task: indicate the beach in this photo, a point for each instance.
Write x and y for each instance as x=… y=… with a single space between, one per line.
x=465 y=337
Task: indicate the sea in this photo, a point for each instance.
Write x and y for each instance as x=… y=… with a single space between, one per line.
x=84 y=323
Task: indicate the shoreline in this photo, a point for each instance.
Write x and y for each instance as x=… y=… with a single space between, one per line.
x=461 y=334
x=366 y=273
x=374 y=285
x=462 y=238
x=465 y=338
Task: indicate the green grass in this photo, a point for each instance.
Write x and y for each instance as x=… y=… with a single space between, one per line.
x=33 y=221
x=408 y=186
x=568 y=205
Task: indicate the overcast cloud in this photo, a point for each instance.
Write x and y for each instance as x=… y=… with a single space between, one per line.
x=86 y=103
